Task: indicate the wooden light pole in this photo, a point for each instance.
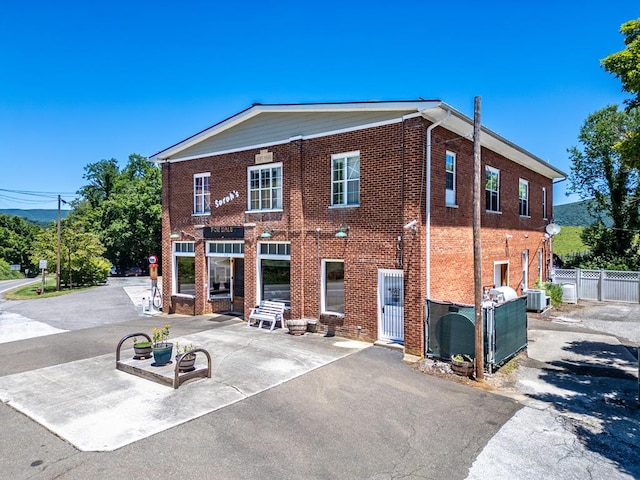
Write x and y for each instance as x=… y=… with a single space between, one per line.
x=477 y=243
x=58 y=262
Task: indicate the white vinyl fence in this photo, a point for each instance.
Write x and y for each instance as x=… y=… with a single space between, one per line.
x=602 y=285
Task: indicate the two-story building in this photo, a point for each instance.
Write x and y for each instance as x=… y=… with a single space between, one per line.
x=352 y=214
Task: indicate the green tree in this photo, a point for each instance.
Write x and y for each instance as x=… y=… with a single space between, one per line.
x=103 y=178
x=127 y=216
x=625 y=64
x=601 y=170
x=16 y=237
x=81 y=261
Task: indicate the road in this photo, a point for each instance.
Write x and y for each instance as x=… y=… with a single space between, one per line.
x=367 y=415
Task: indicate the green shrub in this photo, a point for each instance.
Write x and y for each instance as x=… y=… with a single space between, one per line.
x=6 y=273
x=554 y=290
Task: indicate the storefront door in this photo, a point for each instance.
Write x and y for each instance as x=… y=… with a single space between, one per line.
x=238 y=285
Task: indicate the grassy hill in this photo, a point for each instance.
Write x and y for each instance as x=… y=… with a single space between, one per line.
x=38 y=216
x=575 y=214
x=568 y=240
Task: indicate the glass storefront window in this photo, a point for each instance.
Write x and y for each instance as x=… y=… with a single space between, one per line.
x=186 y=275
x=276 y=284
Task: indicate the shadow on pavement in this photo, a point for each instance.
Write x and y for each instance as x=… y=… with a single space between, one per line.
x=597 y=398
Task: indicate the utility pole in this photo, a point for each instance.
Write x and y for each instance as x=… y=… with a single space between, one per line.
x=477 y=243
x=58 y=262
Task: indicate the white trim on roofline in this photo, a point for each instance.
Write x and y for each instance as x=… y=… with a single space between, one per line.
x=431 y=110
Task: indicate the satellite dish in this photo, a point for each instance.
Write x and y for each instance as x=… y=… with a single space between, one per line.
x=553 y=229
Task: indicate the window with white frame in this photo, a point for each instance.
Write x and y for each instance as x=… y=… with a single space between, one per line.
x=523 y=198
x=525 y=270
x=450 y=177
x=274 y=272
x=540 y=263
x=492 y=189
x=333 y=286
x=265 y=187
x=201 y=194
x=544 y=202
x=184 y=265
x=345 y=179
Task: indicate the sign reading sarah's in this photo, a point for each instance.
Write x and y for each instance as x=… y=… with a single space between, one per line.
x=232 y=196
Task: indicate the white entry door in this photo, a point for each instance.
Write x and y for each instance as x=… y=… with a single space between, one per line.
x=391 y=305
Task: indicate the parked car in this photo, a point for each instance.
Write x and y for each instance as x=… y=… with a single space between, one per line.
x=133 y=272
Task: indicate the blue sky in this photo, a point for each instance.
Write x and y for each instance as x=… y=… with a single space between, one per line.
x=85 y=81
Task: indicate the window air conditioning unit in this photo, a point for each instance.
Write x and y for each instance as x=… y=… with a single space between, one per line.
x=537 y=300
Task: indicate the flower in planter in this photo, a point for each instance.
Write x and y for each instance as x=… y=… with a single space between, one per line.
x=462 y=357
x=184 y=351
x=160 y=335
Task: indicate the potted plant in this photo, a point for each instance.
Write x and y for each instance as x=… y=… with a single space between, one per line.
x=186 y=361
x=462 y=364
x=297 y=326
x=142 y=350
x=162 y=349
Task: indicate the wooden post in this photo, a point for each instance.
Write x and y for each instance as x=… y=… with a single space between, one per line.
x=58 y=260
x=477 y=243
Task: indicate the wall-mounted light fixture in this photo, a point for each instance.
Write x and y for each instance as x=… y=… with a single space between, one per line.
x=342 y=231
x=267 y=233
x=175 y=235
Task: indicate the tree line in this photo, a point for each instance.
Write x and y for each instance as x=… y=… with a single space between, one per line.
x=606 y=167
x=115 y=220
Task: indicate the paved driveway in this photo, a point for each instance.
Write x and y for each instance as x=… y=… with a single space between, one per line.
x=364 y=415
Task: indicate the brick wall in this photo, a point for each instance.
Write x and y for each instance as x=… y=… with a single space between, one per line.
x=392 y=193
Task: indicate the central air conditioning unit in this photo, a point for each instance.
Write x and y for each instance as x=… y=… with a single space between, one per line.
x=537 y=300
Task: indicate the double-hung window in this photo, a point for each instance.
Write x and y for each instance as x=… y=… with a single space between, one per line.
x=345 y=179
x=492 y=189
x=201 y=194
x=523 y=198
x=544 y=202
x=450 y=177
x=265 y=187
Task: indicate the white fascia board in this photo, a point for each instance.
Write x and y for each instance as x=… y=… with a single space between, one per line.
x=462 y=125
x=163 y=155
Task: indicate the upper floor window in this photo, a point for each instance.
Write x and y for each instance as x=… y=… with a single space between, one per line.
x=523 y=198
x=450 y=178
x=265 y=187
x=201 y=194
x=345 y=179
x=544 y=202
x=492 y=189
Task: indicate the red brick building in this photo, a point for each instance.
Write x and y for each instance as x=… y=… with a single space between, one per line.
x=352 y=213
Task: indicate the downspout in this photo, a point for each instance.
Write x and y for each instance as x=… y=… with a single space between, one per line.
x=428 y=203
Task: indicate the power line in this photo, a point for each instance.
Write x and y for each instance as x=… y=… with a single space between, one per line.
x=27 y=196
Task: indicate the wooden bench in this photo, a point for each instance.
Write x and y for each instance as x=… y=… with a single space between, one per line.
x=267 y=311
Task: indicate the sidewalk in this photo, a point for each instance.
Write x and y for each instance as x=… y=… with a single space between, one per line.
x=98 y=408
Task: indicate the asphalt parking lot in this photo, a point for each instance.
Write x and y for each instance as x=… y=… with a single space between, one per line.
x=571 y=411
x=363 y=415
